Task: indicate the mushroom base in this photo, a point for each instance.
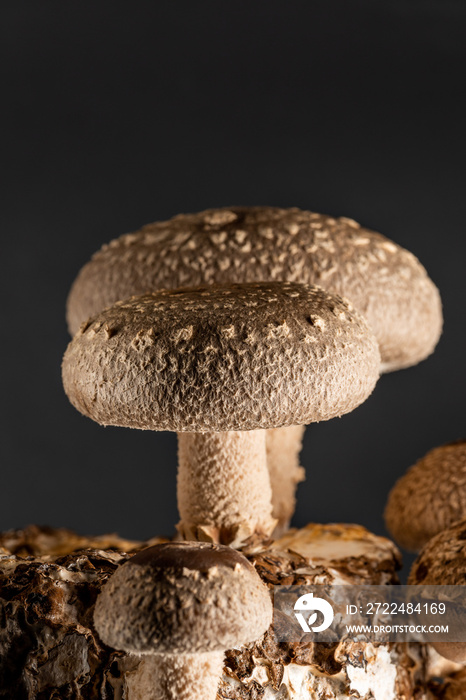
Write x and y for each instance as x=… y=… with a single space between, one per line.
x=49 y=581
x=170 y=677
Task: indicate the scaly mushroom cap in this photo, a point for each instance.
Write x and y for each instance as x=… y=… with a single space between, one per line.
x=442 y=562
x=430 y=497
x=183 y=598
x=239 y=357
x=386 y=283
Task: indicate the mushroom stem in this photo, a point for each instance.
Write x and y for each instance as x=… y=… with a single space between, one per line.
x=176 y=677
x=224 y=492
x=283 y=448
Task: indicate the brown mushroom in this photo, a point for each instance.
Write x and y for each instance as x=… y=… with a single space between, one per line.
x=218 y=365
x=383 y=281
x=442 y=562
x=182 y=605
x=249 y=244
x=430 y=497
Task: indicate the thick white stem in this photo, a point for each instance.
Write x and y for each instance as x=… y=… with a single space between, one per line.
x=283 y=448
x=176 y=677
x=224 y=492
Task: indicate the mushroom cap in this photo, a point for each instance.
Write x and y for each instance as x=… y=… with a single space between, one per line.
x=442 y=561
x=385 y=282
x=430 y=497
x=183 y=597
x=238 y=357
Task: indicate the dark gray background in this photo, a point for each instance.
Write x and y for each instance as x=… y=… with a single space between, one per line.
x=116 y=114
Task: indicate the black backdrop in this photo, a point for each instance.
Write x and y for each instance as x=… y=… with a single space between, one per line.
x=115 y=114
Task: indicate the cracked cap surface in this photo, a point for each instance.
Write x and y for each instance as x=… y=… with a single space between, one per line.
x=238 y=357
x=385 y=282
x=183 y=597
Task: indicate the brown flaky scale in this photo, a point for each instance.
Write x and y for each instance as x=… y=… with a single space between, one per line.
x=238 y=357
x=385 y=282
x=430 y=497
x=442 y=562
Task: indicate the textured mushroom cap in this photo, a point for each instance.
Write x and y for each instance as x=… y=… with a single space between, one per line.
x=239 y=357
x=430 y=497
x=183 y=597
x=386 y=283
x=442 y=562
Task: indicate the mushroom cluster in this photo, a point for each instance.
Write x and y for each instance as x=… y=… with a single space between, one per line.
x=384 y=282
x=234 y=328
x=51 y=578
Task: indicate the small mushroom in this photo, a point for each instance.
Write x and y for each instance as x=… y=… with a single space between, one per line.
x=442 y=562
x=218 y=365
x=386 y=283
x=430 y=497
x=181 y=606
